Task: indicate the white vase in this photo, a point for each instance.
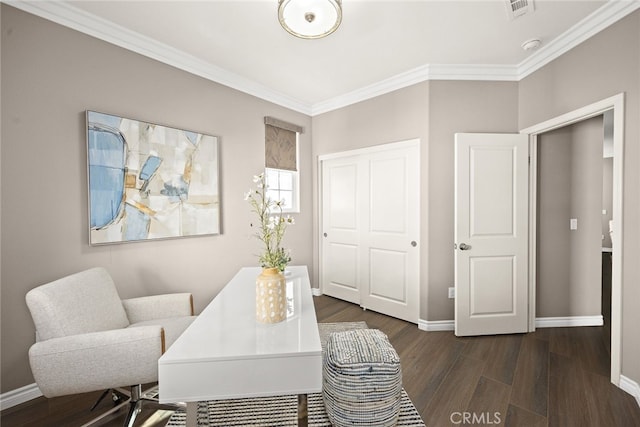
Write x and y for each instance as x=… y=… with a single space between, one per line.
x=271 y=296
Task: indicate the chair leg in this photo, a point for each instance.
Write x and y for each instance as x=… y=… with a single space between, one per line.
x=135 y=405
x=136 y=402
x=117 y=395
x=102 y=396
x=134 y=399
x=106 y=413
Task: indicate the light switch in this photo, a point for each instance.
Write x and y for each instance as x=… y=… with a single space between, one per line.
x=573 y=224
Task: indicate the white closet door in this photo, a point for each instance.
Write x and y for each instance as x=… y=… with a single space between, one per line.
x=391 y=282
x=341 y=219
x=371 y=225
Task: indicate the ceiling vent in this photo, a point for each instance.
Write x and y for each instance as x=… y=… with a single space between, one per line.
x=517 y=8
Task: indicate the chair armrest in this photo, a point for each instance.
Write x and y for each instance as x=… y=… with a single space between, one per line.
x=97 y=360
x=158 y=307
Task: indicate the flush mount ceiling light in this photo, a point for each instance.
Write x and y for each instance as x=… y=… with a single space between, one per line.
x=310 y=19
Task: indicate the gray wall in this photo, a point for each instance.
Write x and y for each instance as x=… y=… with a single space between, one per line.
x=569 y=265
x=605 y=65
x=50 y=76
x=456 y=107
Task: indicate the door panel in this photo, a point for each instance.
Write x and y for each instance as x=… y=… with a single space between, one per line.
x=342 y=196
x=495 y=167
x=491 y=286
x=491 y=233
x=343 y=261
x=388 y=275
x=388 y=192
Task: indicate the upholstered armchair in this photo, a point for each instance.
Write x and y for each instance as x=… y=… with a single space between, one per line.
x=88 y=339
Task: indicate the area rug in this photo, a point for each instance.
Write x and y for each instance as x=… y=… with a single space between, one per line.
x=282 y=411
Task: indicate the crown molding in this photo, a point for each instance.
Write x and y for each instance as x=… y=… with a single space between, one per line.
x=67 y=15
x=396 y=82
x=72 y=17
x=418 y=75
x=606 y=15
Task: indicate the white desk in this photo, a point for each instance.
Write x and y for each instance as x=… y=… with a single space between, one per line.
x=225 y=353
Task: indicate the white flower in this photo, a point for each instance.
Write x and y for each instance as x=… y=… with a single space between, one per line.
x=272 y=224
x=289 y=220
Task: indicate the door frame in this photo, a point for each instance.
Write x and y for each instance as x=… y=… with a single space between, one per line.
x=616 y=104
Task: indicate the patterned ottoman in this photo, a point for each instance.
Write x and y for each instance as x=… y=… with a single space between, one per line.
x=362 y=379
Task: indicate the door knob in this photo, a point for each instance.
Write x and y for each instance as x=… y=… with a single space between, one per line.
x=414 y=243
x=464 y=247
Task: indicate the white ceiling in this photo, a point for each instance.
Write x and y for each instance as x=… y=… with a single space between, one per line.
x=380 y=46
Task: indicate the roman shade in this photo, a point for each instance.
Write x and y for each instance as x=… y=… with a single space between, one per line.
x=280 y=144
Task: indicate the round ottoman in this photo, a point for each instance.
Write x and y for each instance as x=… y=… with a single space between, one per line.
x=362 y=379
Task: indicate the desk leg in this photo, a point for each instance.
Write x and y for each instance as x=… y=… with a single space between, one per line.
x=192 y=414
x=303 y=419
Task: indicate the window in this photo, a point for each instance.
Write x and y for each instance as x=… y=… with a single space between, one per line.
x=283 y=185
x=281 y=162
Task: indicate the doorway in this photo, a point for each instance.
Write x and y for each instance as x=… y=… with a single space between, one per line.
x=615 y=104
x=569 y=225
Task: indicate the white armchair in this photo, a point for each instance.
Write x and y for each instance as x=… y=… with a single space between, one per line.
x=89 y=339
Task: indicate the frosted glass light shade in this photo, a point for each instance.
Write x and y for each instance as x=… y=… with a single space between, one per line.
x=310 y=19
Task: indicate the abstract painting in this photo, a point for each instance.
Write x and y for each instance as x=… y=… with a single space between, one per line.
x=148 y=181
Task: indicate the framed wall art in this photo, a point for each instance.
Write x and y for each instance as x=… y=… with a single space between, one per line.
x=148 y=181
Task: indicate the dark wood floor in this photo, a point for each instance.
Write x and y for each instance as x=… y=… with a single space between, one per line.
x=553 y=377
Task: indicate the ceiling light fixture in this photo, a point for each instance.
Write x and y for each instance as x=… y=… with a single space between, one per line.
x=310 y=19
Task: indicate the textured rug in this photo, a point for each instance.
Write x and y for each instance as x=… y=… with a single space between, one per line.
x=282 y=411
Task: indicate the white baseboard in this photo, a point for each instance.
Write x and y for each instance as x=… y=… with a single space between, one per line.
x=18 y=396
x=316 y=292
x=563 y=322
x=541 y=322
x=631 y=387
x=436 y=325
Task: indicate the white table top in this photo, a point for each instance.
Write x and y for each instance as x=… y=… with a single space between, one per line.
x=225 y=353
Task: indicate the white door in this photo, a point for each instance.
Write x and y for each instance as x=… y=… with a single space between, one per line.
x=341 y=228
x=371 y=227
x=491 y=234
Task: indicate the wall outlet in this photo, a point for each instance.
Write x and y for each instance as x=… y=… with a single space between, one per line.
x=452 y=293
